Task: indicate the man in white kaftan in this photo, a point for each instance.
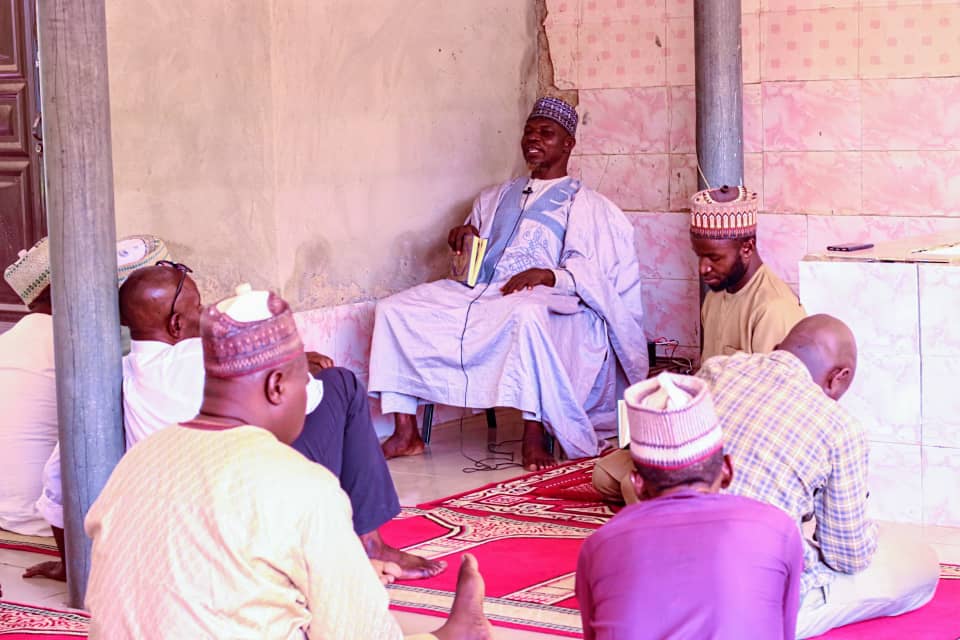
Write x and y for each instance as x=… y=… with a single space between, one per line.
x=551 y=351
x=28 y=425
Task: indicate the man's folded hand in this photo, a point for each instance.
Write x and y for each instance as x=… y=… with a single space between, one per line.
x=528 y=280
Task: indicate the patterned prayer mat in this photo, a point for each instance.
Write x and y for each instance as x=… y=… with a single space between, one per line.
x=30 y=622
x=526 y=534
x=525 y=540
x=36 y=544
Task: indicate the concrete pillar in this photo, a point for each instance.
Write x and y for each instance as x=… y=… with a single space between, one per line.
x=78 y=167
x=719 y=92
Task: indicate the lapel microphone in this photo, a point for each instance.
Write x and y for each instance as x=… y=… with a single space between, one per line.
x=528 y=190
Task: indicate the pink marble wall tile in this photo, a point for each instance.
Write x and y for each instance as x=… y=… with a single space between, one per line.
x=622 y=54
x=588 y=169
x=683 y=180
x=911 y=114
x=563 y=39
x=782 y=243
x=628 y=10
x=633 y=182
x=895 y=483
x=939 y=311
x=663 y=245
x=885 y=396
x=941 y=402
x=812 y=182
x=318 y=329
x=623 y=121
x=672 y=310
x=681 y=52
x=752 y=118
x=922 y=183
x=811 y=116
x=637 y=182
x=683 y=119
x=903 y=3
x=342 y=332
x=827 y=230
x=753 y=175
x=909 y=41
x=809 y=45
x=941 y=477
x=860 y=294
x=806 y=5
x=354 y=333
x=681 y=59
x=942 y=434
x=680 y=8
x=750 y=47
x=562 y=12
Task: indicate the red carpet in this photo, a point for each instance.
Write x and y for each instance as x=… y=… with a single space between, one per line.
x=526 y=534
x=30 y=622
x=938 y=620
x=35 y=544
x=526 y=542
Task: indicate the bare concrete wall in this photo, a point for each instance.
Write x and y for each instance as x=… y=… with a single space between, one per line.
x=191 y=109
x=319 y=147
x=389 y=116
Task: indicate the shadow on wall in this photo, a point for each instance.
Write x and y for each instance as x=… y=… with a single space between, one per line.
x=415 y=256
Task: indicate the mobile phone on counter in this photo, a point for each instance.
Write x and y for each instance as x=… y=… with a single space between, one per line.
x=850 y=246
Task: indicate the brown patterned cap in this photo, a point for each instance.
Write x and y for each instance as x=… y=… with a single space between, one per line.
x=720 y=214
x=251 y=332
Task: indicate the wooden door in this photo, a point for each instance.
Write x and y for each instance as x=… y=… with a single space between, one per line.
x=22 y=219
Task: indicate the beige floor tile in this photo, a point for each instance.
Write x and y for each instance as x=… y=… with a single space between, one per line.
x=32 y=591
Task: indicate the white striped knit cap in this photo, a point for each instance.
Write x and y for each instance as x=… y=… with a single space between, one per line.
x=135 y=252
x=30 y=274
x=672 y=422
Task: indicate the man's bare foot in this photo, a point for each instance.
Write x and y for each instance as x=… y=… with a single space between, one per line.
x=412 y=567
x=406 y=440
x=396 y=446
x=534 y=451
x=466 y=621
x=52 y=569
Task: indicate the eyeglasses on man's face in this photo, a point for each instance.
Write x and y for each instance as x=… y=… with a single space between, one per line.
x=184 y=270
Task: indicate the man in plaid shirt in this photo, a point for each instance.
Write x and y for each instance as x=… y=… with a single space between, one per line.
x=795 y=447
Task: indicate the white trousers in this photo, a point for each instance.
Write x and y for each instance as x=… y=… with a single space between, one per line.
x=901 y=577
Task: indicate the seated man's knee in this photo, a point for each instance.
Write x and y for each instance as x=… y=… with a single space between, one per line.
x=338 y=377
x=526 y=310
x=609 y=473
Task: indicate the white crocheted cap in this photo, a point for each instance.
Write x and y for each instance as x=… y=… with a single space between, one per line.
x=135 y=252
x=30 y=274
x=672 y=421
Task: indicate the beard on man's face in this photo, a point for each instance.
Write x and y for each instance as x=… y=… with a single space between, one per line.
x=737 y=272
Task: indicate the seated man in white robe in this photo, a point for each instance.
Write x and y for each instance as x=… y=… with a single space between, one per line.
x=163 y=382
x=556 y=310
x=28 y=426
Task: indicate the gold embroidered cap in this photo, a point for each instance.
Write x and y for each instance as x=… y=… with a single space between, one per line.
x=724 y=213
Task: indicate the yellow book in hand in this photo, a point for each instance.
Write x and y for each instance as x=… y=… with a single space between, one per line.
x=465 y=267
